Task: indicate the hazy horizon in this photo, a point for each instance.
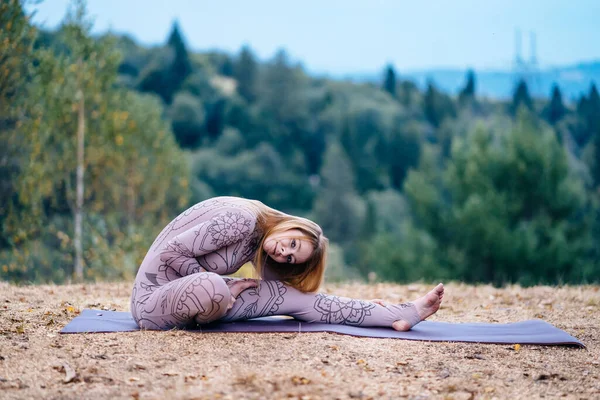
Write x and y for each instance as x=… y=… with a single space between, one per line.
x=353 y=37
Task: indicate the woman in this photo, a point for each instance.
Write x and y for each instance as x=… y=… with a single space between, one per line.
x=181 y=283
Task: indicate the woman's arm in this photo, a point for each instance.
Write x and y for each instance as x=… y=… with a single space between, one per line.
x=227 y=228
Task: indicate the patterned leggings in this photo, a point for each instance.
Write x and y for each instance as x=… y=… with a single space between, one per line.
x=203 y=297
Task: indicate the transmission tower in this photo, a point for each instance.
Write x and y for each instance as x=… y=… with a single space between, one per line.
x=527 y=70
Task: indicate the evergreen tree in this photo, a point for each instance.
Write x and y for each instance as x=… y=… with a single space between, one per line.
x=437 y=106
x=181 y=66
x=389 y=82
x=593 y=127
x=169 y=68
x=555 y=110
x=521 y=98
x=593 y=110
x=245 y=71
x=513 y=210
x=337 y=207
x=468 y=91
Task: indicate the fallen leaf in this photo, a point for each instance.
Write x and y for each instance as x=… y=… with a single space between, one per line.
x=517 y=347
x=300 y=380
x=70 y=373
x=170 y=373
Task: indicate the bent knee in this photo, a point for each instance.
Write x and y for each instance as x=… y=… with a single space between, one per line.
x=206 y=297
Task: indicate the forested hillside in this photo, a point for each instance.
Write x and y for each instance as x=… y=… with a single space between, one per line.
x=407 y=184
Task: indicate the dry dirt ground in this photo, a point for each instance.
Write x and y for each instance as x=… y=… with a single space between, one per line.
x=38 y=362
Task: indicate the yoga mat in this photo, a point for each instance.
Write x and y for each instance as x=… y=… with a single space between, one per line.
x=526 y=332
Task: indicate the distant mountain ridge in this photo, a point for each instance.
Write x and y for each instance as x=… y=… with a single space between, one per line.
x=573 y=80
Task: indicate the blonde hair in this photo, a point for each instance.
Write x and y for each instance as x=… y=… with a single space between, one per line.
x=306 y=276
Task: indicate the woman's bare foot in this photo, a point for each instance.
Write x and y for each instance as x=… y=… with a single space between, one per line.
x=426 y=306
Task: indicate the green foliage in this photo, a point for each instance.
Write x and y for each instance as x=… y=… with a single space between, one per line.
x=521 y=98
x=187 y=114
x=258 y=174
x=555 y=110
x=403 y=149
x=168 y=69
x=16 y=64
x=338 y=209
x=437 y=106
x=389 y=81
x=407 y=184
x=127 y=142
x=467 y=93
x=506 y=199
x=245 y=71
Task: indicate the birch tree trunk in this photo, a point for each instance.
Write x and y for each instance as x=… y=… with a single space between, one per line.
x=79 y=186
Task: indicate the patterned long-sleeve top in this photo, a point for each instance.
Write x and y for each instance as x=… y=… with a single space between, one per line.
x=217 y=235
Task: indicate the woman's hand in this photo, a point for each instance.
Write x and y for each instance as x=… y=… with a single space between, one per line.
x=237 y=286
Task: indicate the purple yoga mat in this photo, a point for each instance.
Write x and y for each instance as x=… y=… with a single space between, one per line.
x=526 y=332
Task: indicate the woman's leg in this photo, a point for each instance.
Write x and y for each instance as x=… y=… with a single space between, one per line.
x=276 y=298
x=197 y=298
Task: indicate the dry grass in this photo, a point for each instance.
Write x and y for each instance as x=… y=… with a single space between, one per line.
x=37 y=362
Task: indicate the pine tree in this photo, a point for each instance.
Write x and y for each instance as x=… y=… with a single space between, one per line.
x=508 y=209
x=556 y=110
x=245 y=72
x=468 y=91
x=521 y=98
x=593 y=127
x=169 y=68
x=389 y=82
x=181 y=67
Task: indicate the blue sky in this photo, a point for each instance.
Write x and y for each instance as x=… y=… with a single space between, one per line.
x=335 y=36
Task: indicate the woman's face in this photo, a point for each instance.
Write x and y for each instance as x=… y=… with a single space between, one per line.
x=288 y=247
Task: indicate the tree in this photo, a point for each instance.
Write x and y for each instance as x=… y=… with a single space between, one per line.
x=188 y=117
x=404 y=147
x=362 y=138
x=181 y=66
x=556 y=110
x=437 y=106
x=125 y=139
x=337 y=208
x=509 y=209
x=593 y=126
x=16 y=66
x=521 y=98
x=389 y=81
x=170 y=67
x=245 y=72
x=467 y=93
